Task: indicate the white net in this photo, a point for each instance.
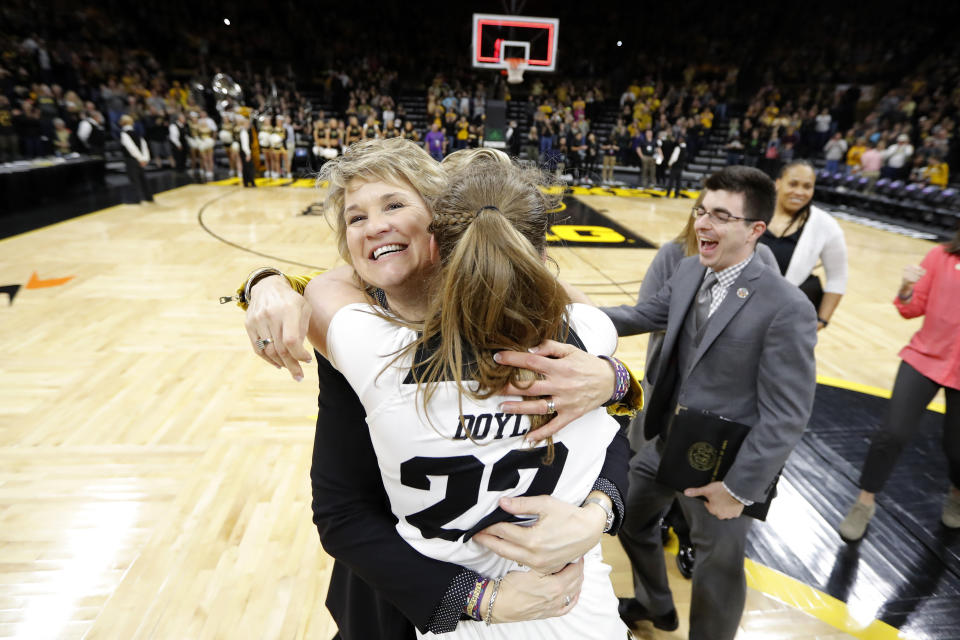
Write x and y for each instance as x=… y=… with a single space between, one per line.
x=515 y=68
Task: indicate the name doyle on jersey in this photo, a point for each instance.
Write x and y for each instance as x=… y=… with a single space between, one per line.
x=481 y=426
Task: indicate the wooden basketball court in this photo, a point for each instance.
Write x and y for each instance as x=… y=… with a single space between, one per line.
x=154 y=472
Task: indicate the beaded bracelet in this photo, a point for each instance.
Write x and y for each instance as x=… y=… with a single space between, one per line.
x=476 y=597
x=493 y=598
x=622 y=385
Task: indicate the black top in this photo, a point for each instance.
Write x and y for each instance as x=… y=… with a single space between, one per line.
x=782 y=247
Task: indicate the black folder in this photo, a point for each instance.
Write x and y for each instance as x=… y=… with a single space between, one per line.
x=700 y=449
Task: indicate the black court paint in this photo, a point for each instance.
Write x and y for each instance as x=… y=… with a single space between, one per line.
x=574 y=224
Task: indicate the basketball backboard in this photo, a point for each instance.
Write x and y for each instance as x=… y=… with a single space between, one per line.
x=497 y=38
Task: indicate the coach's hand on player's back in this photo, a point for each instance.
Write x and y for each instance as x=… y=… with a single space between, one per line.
x=278 y=313
x=527 y=595
x=575 y=380
x=562 y=533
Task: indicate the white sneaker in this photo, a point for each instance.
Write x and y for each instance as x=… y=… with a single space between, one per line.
x=855 y=524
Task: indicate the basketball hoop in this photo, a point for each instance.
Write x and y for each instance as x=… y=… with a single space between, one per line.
x=515 y=67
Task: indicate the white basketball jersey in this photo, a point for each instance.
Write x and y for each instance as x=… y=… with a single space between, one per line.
x=443 y=486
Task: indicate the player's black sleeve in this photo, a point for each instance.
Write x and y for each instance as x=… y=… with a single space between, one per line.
x=357 y=528
x=614 y=475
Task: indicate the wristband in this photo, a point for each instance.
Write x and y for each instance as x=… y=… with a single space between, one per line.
x=622 y=384
x=822 y=321
x=476 y=597
x=493 y=598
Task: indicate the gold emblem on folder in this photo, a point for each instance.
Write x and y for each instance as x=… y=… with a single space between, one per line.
x=702 y=456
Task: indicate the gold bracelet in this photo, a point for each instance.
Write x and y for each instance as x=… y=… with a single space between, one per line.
x=255 y=277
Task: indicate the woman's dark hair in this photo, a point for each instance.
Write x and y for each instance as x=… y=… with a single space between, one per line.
x=953 y=246
x=803 y=213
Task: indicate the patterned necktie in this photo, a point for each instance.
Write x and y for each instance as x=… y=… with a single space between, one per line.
x=704 y=298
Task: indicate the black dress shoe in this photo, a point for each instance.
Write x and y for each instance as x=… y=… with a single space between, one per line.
x=632 y=612
x=685 y=560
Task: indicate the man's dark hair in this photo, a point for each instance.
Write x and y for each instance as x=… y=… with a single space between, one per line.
x=759 y=192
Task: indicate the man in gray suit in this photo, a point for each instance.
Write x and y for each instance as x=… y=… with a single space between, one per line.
x=739 y=343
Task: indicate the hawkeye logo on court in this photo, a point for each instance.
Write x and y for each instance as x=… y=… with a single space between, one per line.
x=573 y=224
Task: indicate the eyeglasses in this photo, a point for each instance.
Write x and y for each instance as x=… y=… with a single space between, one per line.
x=720 y=216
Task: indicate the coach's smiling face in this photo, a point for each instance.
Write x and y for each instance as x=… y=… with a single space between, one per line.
x=387 y=237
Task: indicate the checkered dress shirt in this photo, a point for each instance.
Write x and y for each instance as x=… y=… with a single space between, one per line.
x=725 y=279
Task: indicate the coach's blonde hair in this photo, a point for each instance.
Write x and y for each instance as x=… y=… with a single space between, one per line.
x=493 y=290
x=390 y=159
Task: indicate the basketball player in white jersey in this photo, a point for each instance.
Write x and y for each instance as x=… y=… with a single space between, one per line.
x=431 y=397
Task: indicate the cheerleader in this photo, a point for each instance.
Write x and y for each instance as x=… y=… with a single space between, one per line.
x=207 y=142
x=264 y=135
x=371 y=129
x=278 y=144
x=280 y=141
x=263 y=138
x=193 y=141
x=353 y=131
x=227 y=139
x=236 y=159
x=409 y=132
x=327 y=140
x=390 y=129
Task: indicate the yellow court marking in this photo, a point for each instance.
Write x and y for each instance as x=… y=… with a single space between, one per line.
x=298 y=183
x=225 y=183
x=818 y=604
x=939 y=407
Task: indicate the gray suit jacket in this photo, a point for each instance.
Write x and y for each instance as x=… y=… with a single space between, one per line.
x=754 y=364
x=661 y=269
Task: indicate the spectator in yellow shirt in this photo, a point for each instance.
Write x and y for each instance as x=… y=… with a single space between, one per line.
x=936 y=173
x=853 y=155
x=706 y=118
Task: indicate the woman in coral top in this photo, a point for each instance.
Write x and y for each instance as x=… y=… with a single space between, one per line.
x=930 y=362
